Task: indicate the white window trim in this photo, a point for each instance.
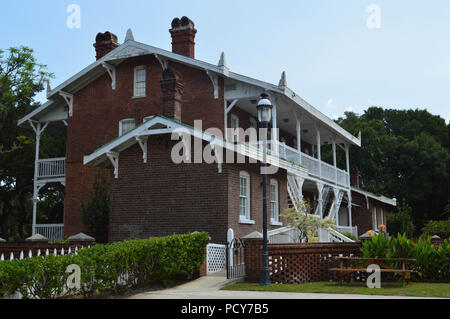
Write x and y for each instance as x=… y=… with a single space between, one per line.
x=136 y=69
x=375 y=219
x=235 y=131
x=247 y=218
x=275 y=221
x=121 y=125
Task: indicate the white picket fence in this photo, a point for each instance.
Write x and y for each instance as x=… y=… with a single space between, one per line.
x=24 y=254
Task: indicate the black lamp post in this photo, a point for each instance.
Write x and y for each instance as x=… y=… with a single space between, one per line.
x=264 y=116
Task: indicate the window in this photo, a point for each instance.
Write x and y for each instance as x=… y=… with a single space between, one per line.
x=375 y=219
x=244 y=197
x=254 y=125
x=234 y=128
x=139 y=81
x=126 y=125
x=274 y=203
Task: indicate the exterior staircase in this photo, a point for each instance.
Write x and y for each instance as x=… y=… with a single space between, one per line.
x=330 y=209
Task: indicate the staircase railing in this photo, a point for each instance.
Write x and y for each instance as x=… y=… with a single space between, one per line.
x=332 y=236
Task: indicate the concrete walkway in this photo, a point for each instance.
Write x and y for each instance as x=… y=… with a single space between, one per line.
x=209 y=288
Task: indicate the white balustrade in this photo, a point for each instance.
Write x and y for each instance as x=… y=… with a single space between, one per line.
x=51 y=231
x=52 y=167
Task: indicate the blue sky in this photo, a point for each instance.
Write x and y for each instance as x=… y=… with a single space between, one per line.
x=331 y=57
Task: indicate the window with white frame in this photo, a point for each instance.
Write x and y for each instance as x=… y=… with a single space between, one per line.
x=375 y=219
x=274 y=202
x=126 y=125
x=234 y=128
x=139 y=81
x=244 y=197
x=254 y=125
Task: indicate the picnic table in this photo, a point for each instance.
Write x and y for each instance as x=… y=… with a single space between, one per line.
x=345 y=269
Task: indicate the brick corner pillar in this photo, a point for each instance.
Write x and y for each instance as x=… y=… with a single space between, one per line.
x=172 y=88
x=253 y=256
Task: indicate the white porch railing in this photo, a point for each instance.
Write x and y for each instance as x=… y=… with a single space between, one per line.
x=347 y=229
x=52 y=168
x=315 y=167
x=284 y=235
x=332 y=236
x=51 y=231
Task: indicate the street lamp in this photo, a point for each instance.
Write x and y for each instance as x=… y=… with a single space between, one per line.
x=264 y=108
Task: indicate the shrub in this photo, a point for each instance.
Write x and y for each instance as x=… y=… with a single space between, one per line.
x=432 y=264
x=104 y=268
x=96 y=211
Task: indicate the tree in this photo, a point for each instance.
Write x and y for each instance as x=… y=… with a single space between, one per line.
x=400 y=222
x=404 y=154
x=95 y=213
x=21 y=78
x=308 y=225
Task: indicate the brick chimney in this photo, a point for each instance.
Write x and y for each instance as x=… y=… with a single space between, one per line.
x=183 y=35
x=172 y=89
x=105 y=43
x=354 y=177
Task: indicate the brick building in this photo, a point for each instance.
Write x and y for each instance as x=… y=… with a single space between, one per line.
x=123 y=111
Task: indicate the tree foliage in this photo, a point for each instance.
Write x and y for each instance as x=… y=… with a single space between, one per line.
x=404 y=154
x=21 y=78
x=95 y=212
x=400 y=222
x=307 y=224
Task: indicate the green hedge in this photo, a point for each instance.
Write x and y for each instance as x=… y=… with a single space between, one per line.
x=113 y=267
x=432 y=264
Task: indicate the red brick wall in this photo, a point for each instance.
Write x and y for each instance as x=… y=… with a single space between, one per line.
x=363 y=217
x=161 y=198
x=256 y=191
x=296 y=263
x=98 y=110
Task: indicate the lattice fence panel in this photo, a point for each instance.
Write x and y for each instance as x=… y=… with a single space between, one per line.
x=299 y=268
x=216 y=258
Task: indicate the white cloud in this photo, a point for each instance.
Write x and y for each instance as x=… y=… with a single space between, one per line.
x=331 y=104
x=349 y=109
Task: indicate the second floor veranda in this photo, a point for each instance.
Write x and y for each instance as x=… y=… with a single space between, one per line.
x=299 y=135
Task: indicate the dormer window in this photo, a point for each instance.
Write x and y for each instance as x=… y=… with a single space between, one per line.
x=126 y=125
x=139 y=81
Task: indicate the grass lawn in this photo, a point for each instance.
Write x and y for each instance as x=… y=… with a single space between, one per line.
x=387 y=289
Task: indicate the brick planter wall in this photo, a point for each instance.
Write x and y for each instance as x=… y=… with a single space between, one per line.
x=296 y=263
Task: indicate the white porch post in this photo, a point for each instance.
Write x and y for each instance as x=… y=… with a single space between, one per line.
x=347 y=160
x=335 y=202
x=320 y=199
x=300 y=182
x=299 y=139
x=350 y=222
x=38 y=129
x=335 y=160
x=319 y=154
x=274 y=127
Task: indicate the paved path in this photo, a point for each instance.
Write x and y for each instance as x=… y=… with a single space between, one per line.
x=209 y=288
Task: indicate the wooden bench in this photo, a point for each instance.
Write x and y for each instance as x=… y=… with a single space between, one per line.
x=345 y=270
